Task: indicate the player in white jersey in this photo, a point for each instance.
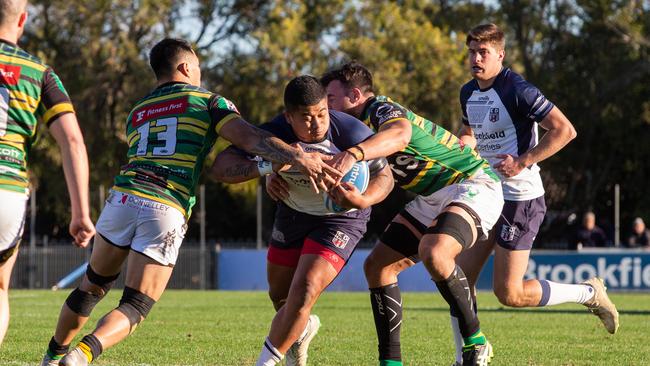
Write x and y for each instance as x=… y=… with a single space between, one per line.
x=309 y=245
x=501 y=114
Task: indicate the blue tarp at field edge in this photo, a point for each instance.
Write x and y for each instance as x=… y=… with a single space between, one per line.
x=245 y=269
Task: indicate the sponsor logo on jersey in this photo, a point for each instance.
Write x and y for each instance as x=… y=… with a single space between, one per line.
x=494 y=114
x=508 y=232
x=152 y=111
x=340 y=240
x=230 y=105
x=9 y=74
x=386 y=112
x=490 y=136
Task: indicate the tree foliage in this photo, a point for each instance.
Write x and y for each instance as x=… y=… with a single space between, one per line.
x=591 y=58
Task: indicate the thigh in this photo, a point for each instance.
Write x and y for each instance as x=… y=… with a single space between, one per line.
x=6 y=266
x=147 y=275
x=12 y=220
x=106 y=259
x=509 y=267
x=482 y=196
x=279 y=278
x=313 y=274
x=402 y=236
x=519 y=223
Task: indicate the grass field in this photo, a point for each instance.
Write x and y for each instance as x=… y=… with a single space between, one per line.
x=228 y=328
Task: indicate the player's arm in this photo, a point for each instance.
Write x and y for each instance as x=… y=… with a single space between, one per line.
x=231 y=166
x=559 y=132
x=262 y=143
x=380 y=185
x=67 y=134
x=466 y=135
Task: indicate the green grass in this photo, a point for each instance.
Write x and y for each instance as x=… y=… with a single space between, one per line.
x=228 y=328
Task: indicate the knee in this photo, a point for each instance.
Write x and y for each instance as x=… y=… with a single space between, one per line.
x=434 y=258
x=278 y=299
x=509 y=296
x=378 y=271
x=135 y=305
x=304 y=298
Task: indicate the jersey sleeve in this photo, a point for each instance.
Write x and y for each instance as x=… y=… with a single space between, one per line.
x=465 y=93
x=55 y=101
x=531 y=103
x=222 y=111
x=382 y=113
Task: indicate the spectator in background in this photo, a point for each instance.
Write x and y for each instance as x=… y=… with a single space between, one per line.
x=640 y=237
x=589 y=234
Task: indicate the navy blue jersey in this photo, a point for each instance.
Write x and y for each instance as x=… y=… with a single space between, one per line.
x=504 y=118
x=344 y=132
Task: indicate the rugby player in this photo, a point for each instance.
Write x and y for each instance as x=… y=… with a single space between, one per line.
x=502 y=112
x=31 y=93
x=169 y=133
x=309 y=245
x=459 y=200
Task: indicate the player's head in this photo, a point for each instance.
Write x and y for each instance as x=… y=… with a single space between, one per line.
x=348 y=87
x=305 y=103
x=13 y=14
x=486 y=44
x=173 y=59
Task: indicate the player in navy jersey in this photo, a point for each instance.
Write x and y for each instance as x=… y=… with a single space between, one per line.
x=501 y=114
x=309 y=245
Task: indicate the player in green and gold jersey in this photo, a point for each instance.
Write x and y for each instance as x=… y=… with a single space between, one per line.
x=31 y=93
x=459 y=200
x=169 y=132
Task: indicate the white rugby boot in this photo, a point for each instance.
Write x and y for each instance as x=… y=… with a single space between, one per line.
x=601 y=306
x=297 y=354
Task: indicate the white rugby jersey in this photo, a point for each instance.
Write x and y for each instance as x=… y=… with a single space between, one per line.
x=504 y=119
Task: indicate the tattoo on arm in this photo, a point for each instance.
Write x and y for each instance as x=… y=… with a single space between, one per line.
x=271 y=147
x=239 y=170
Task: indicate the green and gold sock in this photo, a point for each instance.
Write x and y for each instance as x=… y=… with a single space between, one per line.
x=476 y=338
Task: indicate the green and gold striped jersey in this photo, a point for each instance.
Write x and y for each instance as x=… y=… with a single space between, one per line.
x=169 y=133
x=433 y=159
x=30 y=92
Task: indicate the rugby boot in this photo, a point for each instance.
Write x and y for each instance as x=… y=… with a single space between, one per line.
x=477 y=354
x=76 y=357
x=601 y=306
x=297 y=354
x=49 y=360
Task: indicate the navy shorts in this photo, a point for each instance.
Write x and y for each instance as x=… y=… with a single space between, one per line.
x=296 y=233
x=519 y=223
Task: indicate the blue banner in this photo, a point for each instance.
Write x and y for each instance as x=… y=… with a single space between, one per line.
x=245 y=269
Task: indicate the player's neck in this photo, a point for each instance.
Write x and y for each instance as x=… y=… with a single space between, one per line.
x=8 y=35
x=357 y=111
x=487 y=83
x=174 y=79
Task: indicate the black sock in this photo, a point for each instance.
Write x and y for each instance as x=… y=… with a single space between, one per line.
x=93 y=344
x=55 y=350
x=455 y=290
x=387 y=309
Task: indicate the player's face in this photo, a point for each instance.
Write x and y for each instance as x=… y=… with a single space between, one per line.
x=484 y=60
x=338 y=97
x=310 y=123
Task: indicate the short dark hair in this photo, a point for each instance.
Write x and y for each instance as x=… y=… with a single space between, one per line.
x=487 y=33
x=10 y=9
x=303 y=91
x=164 y=56
x=351 y=75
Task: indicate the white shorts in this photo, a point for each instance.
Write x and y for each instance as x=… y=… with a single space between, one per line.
x=481 y=193
x=12 y=218
x=143 y=225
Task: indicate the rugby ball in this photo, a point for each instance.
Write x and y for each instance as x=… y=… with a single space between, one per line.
x=359 y=176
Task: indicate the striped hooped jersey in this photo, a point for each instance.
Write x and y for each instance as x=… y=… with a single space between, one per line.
x=169 y=133
x=434 y=157
x=30 y=92
x=504 y=118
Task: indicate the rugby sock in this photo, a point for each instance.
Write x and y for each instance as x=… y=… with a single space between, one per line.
x=476 y=338
x=387 y=310
x=56 y=351
x=269 y=356
x=455 y=330
x=455 y=290
x=554 y=293
x=91 y=347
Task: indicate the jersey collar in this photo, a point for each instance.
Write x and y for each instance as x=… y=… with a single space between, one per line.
x=366 y=107
x=8 y=42
x=170 y=83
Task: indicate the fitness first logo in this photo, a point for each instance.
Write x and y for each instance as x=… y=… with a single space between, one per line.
x=340 y=240
x=153 y=111
x=9 y=74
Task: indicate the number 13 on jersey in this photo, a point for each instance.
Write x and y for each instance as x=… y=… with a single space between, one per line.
x=164 y=130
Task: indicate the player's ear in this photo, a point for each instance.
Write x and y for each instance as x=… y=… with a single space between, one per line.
x=184 y=68
x=355 y=95
x=502 y=54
